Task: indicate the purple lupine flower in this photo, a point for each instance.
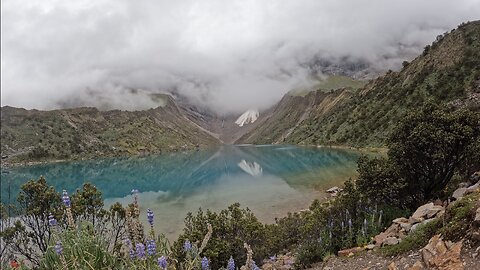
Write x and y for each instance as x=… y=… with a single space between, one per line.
x=255 y=267
x=151 y=247
x=205 y=264
x=162 y=262
x=66 y=199
x=187 y=246
x=273 y=258
x=150 y=216
x=51 y=220
x=131 y=252
x=58 y=248
x=140 y=250
x=231 y=264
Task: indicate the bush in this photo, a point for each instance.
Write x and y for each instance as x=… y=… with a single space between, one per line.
x=232 y=228
x=379 y=180
x=429 y=146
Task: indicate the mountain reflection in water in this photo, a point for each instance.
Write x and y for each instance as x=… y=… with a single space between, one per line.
x=270 y=180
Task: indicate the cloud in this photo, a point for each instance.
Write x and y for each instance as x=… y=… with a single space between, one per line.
x=227 y=55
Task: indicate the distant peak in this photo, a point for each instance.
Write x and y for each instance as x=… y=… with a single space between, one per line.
x=247 y=117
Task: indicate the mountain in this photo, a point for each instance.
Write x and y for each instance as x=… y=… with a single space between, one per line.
x=89 y=132
x=247 y=117
x=448 y=71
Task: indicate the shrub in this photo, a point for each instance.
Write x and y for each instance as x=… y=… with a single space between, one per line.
x=430 y=144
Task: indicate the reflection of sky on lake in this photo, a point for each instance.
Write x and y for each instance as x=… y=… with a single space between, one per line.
x=270 y=180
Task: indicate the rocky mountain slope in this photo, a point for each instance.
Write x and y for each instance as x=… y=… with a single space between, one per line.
x=447 y=71
x=88 y=132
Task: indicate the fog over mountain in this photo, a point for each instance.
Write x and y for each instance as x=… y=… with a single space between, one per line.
x=229 y=56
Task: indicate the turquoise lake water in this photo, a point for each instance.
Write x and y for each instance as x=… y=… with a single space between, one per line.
x=271 y=180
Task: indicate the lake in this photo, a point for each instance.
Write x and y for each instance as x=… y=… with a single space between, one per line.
x=271 y=180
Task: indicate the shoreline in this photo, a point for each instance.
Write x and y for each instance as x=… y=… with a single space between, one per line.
x=5 y=164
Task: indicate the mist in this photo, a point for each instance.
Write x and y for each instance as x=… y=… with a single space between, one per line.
x=228 y=56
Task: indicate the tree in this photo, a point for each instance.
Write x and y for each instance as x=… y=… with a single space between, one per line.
x=380 y=182
x=32 y=235
x=430 y=144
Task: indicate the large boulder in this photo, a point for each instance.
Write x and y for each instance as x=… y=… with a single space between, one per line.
x=426 y=211
x=441 y=255
x=473 y=188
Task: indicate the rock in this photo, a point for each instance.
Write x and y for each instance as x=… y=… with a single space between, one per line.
x=347 y=252
x=334 y=190
x=415 y=226
x=413 y=220
x=459 y=192
x=472 y=188
x=418 y=265
x=406 y=226
x=463 y=185
x=392 y=266
x=436 y=254
x=369 y=247
x=438 y=202
x=427 y=211
x=390 y=241
x=400 y=220
x=476 y=220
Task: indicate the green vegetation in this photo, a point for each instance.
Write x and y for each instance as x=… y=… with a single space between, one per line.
x=454 y=226
x=330 y=83
x=448 y=72
x=87 y=133
x=418 y=239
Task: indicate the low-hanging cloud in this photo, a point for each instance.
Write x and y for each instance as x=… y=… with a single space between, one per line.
x=226 y=55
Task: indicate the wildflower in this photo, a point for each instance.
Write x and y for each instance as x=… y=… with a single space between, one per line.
x=205 y=265
x=140 y=250
x=134 y=192
x=131 y=252
x=255 y=267
x=51 y=220
x=187 y=246
x=162 y=262
x=273 y=258
x=151 y=247
x=150 y=216
x=66 y=199
x=231 y=264
x=350 y=223
x=58 y=247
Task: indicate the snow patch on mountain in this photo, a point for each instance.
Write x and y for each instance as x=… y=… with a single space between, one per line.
x=247 y=117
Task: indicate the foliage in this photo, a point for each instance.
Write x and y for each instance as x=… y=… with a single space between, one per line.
x=379 y=180
x=232 y=228
x=430 y=144
x=81 y=249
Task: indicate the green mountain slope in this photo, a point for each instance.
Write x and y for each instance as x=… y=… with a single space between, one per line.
x=447 y=71
x=88 y=132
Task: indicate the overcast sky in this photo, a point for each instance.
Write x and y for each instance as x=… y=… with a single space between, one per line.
x=228 y=55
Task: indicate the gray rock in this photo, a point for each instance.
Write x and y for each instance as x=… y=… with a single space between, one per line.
x=458 y=194
x=427 y=211
x=390 y=241
x=472 y=188
x=415 y=226
x=334 y=190
x=477 y=217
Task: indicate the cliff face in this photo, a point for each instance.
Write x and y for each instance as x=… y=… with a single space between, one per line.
x=88 y=132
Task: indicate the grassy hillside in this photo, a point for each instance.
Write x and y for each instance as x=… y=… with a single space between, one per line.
x=87 y=132
x=448 y=71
